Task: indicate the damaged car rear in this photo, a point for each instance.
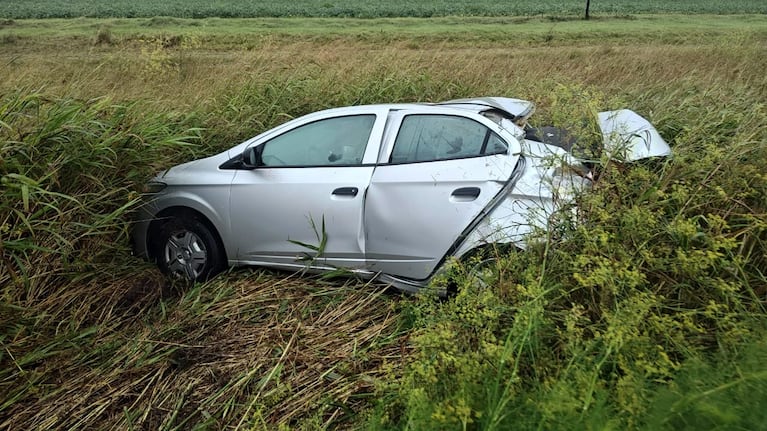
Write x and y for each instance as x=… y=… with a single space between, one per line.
x=390 y=192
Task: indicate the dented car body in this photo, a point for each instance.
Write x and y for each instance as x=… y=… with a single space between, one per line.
x=385 y=191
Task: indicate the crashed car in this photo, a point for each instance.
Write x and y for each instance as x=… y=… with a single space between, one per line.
x=391 y=192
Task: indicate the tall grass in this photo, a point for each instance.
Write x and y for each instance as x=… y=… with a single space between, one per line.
x=85 y=322
x=70 y=171
x=648 y=312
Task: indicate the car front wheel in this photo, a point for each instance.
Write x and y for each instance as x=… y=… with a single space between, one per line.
x=187 y=249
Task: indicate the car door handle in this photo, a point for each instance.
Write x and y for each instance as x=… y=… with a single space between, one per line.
x=465 y=194
x=346 y=191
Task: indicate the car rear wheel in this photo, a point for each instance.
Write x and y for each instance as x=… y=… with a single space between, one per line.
x=187 y=249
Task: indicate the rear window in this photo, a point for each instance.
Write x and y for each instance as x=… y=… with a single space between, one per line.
x=427 y=137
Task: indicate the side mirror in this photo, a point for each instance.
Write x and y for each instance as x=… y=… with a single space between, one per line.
x=251 y=158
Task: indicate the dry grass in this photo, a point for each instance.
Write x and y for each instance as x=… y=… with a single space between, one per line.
x=247 y=350
x=202 y=75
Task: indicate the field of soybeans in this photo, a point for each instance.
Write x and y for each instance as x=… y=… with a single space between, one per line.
x=24 y=9
x=647 y=313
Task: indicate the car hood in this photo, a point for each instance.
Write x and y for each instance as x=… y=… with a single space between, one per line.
x=197 y=171
x=178 y=169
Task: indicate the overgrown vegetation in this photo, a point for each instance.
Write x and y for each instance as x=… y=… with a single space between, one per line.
x=662 y=276
x=646 y=313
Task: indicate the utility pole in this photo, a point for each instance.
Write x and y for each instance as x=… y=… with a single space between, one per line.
x=588 y=3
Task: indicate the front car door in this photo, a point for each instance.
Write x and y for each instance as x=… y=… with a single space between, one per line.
x=437 y=173
x=316 y=171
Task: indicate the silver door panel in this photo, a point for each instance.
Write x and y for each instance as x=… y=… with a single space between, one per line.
x=415 y=212
x=277 y=207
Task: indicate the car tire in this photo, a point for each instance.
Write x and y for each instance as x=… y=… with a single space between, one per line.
x=187 y=249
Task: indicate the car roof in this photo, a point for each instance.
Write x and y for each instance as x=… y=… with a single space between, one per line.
x=512 y=108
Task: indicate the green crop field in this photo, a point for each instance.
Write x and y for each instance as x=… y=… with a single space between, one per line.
x=648 y=313
x=18 y=9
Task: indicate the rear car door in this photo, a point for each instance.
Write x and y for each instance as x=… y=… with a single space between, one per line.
x=436 y=173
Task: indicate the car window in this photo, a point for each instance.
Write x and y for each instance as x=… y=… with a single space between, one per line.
x=427 y=137
x=329 y=142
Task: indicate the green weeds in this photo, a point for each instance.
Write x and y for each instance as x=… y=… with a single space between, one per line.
x=620 y=319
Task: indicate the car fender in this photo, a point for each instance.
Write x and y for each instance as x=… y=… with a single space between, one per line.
x=185 y=200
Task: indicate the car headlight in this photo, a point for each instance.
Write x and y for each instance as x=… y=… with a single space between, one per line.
x=153 y=187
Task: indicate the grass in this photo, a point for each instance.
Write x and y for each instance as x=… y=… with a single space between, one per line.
x=220 y=62
x=470 y=30
x=23 y=9
x=270 y=351
x=648 y=314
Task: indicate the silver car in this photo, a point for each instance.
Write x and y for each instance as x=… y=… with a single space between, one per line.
x=385 y=191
